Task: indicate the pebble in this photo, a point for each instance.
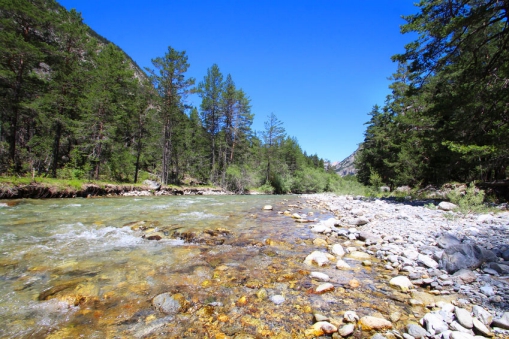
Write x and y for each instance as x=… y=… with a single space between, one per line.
x=319 y=276
x=346 y=330
x=277 y=299
x=369 y=323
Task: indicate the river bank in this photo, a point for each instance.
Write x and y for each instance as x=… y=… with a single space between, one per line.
x=37 y=190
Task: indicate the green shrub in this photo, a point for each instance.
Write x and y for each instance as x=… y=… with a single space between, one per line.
x=472 y=200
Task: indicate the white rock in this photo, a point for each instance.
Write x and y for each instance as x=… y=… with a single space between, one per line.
x=277 y=299
x=319 y=276
x=484 y=316
x=346 y=330
x=427 y=261
x=342 y=265
x=447 y=206
x=320 y=258
x=321 y=228
x=479 y=326
x=337 y=250
x=359 y=255
x=350 y=316
x=267 y=208
x=401 y=282
x=324 y=288
x=434 y=323
x=463 y=317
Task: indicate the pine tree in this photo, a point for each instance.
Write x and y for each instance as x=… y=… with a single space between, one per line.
x=172 y=87
x=210 y=91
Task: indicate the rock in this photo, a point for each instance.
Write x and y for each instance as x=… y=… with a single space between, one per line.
x=320 y=258
x=401 y=282
x=427 y=261
x=346 y=330
x=320 y=328
x=277 y=299
x=369 y=237
x=324 y=288
x=434 y=323
x=465 y=276
x=354 y=283
x=482 y=329
x=358 y=221
x=359 y=255
x=499 y=268
x=342 y=265
x=455 y=326
x=262 y=294
x=502 y=322
x=267 y=208
x=464 y=318
x=337 y=250
x=153 y=185
x=465 y=256
x=320 y=242
x=447 y=206
x=319 y=276
x=460 y=335
x=416 y=331
x=484 y=316
x=487 y=290
x=447 y=240
x=320 y=317
x=350 y=316
x=320 y=228
x=369 y=323
x=165 y=303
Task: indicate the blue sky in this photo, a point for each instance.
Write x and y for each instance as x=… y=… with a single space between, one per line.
x=318 y=65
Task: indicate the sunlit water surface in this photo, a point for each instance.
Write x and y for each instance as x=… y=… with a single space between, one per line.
x=85 y=268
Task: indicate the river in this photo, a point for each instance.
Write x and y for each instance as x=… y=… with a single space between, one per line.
x=91 y=267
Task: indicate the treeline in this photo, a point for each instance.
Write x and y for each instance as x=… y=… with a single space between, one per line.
x=75 y=106
x=447 y=118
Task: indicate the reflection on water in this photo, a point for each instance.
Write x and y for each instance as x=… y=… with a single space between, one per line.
x=86 y=267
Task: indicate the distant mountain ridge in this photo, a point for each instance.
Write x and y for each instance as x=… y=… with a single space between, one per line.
x=346 y=166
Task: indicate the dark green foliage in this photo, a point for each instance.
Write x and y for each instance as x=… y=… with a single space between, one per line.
x=447 y=116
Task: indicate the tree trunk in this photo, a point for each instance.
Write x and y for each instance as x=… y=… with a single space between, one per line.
x=56 y=148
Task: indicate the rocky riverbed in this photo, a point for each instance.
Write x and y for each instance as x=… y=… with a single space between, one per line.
x=427 y=251
x=314 y=266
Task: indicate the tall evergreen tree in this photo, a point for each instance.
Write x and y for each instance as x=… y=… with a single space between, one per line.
x=170 y=82
x=25 y=39
x=273 y=136
x=104 y=106
x=210 y=91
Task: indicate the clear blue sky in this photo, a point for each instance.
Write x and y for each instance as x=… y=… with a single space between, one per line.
x=318 y=65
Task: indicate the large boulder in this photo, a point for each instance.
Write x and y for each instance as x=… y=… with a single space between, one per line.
x=465 y=256
x=447 y=240
x=153 y=185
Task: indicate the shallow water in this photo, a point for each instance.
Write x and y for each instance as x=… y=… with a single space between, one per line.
x=85 y=268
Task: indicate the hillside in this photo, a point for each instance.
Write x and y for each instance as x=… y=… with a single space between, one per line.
x=346 y=166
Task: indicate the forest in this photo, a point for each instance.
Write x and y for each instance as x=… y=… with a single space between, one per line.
x=75 y=106
x=447 y=117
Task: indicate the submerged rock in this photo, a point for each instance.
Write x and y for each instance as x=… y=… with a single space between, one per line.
x=319 y=258
x=165 y=303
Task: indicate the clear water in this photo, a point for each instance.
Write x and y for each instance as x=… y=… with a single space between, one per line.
x=82 y=268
